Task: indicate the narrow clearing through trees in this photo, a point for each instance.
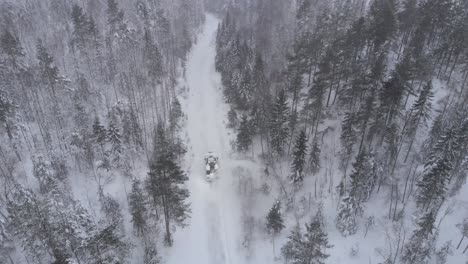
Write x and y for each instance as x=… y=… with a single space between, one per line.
x=213 y=232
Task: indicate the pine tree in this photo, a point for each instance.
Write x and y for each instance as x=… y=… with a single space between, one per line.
x=299 y=157
x=463 y=230
x=99 y=132
x=348 y=138
x=314 y=159
x=393 y=89
x=152 y=58
x=442 y=254
x=278 y=123
x=136 y=203
x=346 y=219
x=293 y=249
x=309 y=247
x=7 y=113
x=433 y=184
x=363 y=177
x=275 y=222
x=382 y=22
x=107 y=246
x=80 y=25
x=49 y=72
x=175 y=115
x=232 y=118
x=420 y=113
x=165 y=184
x=115 y=15
x=244 y=136
x=316 y=241
x=151 y=254
x=11 y=46
x=111 y=209
x=44 y=175
x=114 y=138
x=420 y=246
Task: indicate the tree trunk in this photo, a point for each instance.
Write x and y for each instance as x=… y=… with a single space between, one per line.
x=459 y=243
x=409 y=148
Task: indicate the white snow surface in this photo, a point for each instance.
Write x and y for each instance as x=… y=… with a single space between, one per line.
x=213 y=232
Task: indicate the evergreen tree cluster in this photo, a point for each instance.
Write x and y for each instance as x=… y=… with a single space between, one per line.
x=307 y=246
x=82 y=85
x=392 y=73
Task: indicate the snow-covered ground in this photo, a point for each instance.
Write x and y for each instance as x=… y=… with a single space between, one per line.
x=212 y=234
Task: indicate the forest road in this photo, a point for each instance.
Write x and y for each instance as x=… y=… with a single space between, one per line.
x=213 y=231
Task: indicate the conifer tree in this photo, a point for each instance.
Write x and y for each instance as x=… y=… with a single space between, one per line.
x=463 y=230
x=314 y=159
x=348 y=139
x=80 y=26
x=136 y=202
x=232 y=118
x=151 y=254
x=316 y=241
x=420 y=246
x=347 y=213
x=383 y=22
x=7 y=112
x=420 y=113
x=363 y=177
x=165 y=184
x=115 y=15
x=99 y=132
x=299 y=157
x=152 y=58
x=433 y=184
x=11 y=46
x=49 y=72
x=293 y=249
x=278 y=123
x=113 y=136
x=244 y=136
x=309 y=247
x=275 y=222
x=111 y=209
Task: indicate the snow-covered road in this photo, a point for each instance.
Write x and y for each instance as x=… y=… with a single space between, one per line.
x=213 y=233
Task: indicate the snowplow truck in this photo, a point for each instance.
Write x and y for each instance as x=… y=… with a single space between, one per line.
x=211 y=165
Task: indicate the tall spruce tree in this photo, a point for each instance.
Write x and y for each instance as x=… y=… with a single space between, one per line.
x=293 y=249
x=244 y=136
x=309 y=247
x=420 y=113
x=165 y=184
x=11 y=46
x=433 y=184
x=114 y=137
x=314 y=158
x=275 y=222
x=316 y=241
x=347 y=213
x=99 y=132
x=278 y=123
x=299 y=158
x=420 y=246
x=136 y=202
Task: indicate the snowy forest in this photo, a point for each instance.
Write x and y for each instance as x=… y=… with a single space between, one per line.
x=341 y=128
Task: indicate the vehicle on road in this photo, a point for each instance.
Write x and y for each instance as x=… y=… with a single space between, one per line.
x=211 y=165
